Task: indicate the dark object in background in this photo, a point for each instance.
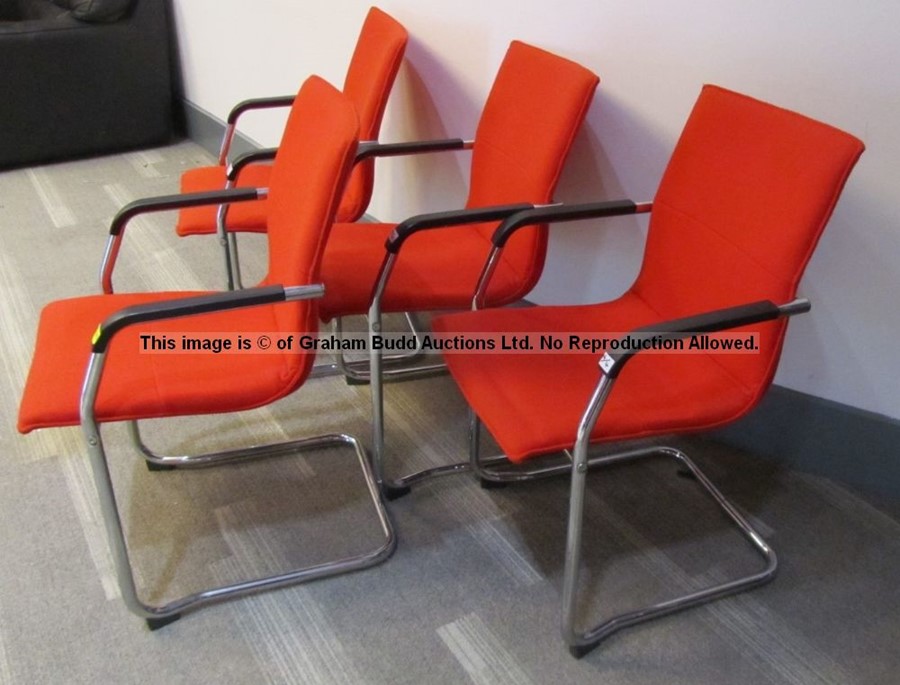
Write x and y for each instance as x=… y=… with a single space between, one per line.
x=83 y=77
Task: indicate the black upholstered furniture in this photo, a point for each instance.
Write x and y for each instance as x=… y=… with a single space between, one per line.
x=82 y=77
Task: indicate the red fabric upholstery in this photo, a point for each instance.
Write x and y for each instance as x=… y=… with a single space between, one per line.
x=437 y=270
x=368 y=84
x=370 y=76
x=532 y=114
x=739 y=210
x=144 y=385
x=316 y=153
x=247 y=217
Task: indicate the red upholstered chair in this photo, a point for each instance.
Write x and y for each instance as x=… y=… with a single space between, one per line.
x=89 y=367
x=533 y=112
x=741 y=206
x=370 y=76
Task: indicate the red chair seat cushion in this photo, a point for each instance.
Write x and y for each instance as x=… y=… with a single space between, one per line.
x=532 y=403
x=242 y=216
x=436 y=269
x=146 y=385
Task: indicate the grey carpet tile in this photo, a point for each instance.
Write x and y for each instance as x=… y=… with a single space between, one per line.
x=472 y=593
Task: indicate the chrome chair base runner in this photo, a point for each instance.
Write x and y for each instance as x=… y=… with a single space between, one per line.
x=356 y=372
x=583 y=642
x=497 y=471
x=158 y=616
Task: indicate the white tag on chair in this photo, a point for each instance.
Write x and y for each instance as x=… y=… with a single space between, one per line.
x=606 y=362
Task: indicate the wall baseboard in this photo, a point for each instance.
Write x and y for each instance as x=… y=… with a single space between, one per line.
x=802 y=431
x=808 y=433
x=207 y=130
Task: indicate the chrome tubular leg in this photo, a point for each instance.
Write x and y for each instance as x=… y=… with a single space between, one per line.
x=157 y=616
x=476 y=464
x=582 y=643
x=375 y=370
x=235 y=261
x=576 y=509
x=224 y=242
x=376 y=384
x=573 y=549
x=102 y=481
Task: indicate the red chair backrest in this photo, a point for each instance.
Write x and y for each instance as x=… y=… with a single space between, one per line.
x=533 y=112
x=739 y=210
x=308 y=177
x=370 y=76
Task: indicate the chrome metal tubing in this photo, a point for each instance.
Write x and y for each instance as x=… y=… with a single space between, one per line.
x=580 y=643
x=358 y=371
x=210 y=458
x=310 y=291
x=446 y=470
x=505 y=471
x=487 y=272
x=235 y=260
x=376 y=379
x=426 y=474
x=375 y=383
x=226 y=144
x=105 y=492
x=115 y=533
x=225 y=241
x=108 y=263
x=475 y=463
x=509 y=472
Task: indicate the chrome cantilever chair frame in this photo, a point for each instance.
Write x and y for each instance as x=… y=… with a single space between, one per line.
x=580 y=643
x=228 y=241
x=499 y=470
x=158 y=616
x=449 y=219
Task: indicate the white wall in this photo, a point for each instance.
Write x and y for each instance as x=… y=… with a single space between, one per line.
x=829 y=59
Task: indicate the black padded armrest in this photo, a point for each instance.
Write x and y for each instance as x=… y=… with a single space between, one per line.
x=188 y=306
x=371 y=149
x=707 y=322
x=259 y=103
x=457 y=217
x=366 y=150
x=562 y=212
x=168 y=202
x=263 y=155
